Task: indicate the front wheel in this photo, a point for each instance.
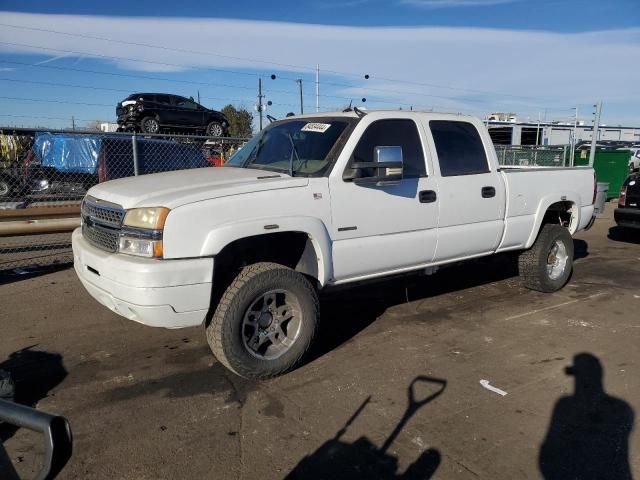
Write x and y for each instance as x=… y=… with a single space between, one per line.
x=547 y=265
x=265 y=321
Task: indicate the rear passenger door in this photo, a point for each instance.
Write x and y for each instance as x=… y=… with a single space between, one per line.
x=190 y=113
x=471 y=196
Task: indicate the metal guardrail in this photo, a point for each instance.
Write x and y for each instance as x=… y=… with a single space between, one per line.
x=56 y=430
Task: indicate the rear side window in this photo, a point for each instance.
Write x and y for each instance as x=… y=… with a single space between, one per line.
x=393 y=133
x=163 y=99
x=459 y=147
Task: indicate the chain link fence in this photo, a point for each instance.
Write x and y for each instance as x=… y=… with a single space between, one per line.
x=45 y=174
x=542 y=156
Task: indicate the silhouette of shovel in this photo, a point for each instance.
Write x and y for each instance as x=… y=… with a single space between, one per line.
x=414 y=406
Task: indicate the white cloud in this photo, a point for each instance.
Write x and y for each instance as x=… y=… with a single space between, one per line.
x=455 y=3
x=554 y=69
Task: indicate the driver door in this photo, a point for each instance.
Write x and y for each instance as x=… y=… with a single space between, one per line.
x=379 y=229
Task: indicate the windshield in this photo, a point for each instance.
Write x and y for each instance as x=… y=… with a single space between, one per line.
x=301 y=146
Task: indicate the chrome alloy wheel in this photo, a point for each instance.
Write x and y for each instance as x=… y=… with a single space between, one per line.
x=271 y=324
x=557 y=260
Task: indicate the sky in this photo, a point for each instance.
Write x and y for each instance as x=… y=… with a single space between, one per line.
x=537 y=58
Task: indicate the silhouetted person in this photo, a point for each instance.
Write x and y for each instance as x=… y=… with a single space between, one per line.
x=588 y=437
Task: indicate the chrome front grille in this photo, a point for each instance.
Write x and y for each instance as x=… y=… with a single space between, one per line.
x=103 y=213
x=100 y=237
x=102 y=223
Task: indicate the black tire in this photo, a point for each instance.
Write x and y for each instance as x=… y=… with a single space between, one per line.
x=150 y=125
x=7 y=386
x=6 y=188
x=226 y=332
x=533 y=264
x=215 y=129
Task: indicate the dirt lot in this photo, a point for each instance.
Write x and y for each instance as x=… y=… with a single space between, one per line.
x=149 y=404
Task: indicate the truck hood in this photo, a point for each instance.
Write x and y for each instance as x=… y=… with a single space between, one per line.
x=173 y=189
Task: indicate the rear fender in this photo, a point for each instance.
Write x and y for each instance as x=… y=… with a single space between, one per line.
x=543 y=206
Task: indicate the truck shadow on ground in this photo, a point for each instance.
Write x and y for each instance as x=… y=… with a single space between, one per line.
x=361 y=459
x=588 y=436
x=627 y=235
x=25 y=273
x=348 y=311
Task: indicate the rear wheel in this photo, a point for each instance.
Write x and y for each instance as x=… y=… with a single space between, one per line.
x=547 y=265
x=265 y=321
x=150 y=125
x=214 y=129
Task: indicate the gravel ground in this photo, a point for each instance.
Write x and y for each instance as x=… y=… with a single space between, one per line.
x=392 y=391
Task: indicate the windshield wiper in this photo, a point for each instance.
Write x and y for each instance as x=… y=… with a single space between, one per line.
x=294 y=150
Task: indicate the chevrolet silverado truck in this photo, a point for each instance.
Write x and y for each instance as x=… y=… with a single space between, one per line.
x=312 y=202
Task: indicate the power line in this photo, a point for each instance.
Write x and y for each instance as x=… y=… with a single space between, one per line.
x=235 y=72
x=287 y=65
x=69 y=85
x=128 y=59
x=57 y=101
x=160 y=47
x=345 y=98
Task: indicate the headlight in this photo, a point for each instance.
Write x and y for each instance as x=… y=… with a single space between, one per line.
x=141 y=247
x=148 y=218
x=142 y=232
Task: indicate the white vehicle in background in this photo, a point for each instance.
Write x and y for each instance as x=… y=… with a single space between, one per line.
x=634 y=161
x=311 y=202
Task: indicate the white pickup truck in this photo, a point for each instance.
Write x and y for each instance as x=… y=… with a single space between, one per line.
x=311 y=202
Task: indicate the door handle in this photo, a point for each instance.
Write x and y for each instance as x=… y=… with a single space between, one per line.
x=427 y=196
x=488 y=192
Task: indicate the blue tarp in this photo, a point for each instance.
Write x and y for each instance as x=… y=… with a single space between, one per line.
x=67 y=153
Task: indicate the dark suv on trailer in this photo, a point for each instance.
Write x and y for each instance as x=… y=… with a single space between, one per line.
x=153 y=112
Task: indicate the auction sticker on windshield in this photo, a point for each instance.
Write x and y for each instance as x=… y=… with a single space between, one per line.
x=316 y=127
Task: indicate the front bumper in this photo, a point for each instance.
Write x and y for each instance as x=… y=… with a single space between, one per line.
x=158 y=293
x=627 y=217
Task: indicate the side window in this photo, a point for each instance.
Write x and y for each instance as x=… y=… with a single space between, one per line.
x=459 y=147
x=163 y=99
x=393 y=133
x=187 y=104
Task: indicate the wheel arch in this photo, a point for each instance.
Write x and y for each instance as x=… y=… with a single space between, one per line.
x=560 y=209
x=301 y=243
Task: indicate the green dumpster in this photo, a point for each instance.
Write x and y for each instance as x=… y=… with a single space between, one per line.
x=611 y=166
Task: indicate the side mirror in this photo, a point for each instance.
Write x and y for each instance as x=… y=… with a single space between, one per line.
x=386 y=169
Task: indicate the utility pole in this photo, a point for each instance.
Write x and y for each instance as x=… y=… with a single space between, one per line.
x=299 y=82
x=594 y=133
x=73 y=123
x=538 y=131
x=317 y=87
x=260 y=100
x=572 y=154
x=198 y=96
